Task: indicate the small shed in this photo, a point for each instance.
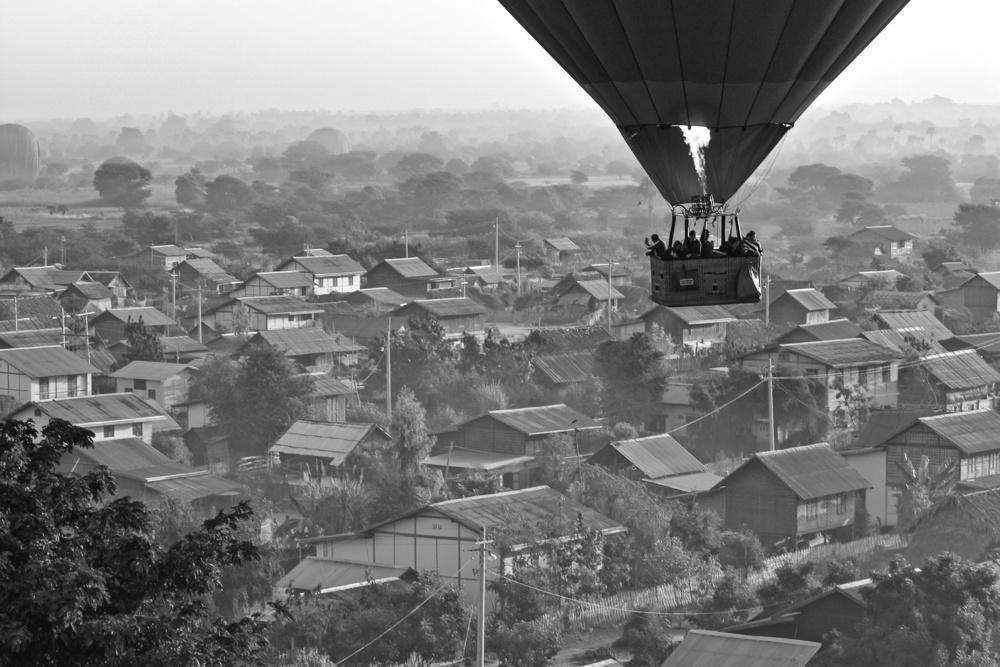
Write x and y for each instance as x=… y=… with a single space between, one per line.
x=483 y=277
x=456 y=315
x=333 y=397
x=322 y=447
x=879 y=280
x=651 y=457
x=832 y=330
x=892 y=300
x=86 y=297
x=275 y=283
x=564 y=369
x=619 y=276
x=380 y=298
x=562 y=246
x=801 y=306
x=694 y=327
x=109 y=326
x=205 y=271
x=590 y=294
x=706 y=648
x=167 y=384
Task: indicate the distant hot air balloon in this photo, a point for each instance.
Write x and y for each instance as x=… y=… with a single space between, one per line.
x=746 y=70
x=18 y=153
x=332 y=139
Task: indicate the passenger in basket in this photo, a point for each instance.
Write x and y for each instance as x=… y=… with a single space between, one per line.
x=707 y=244
x=751 y=246
x=693 y=246
x=678 y=250
x=657 y=248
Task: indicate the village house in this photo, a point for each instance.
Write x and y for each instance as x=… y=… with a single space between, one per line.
x=987 y=345
x=109 y=326
x=980 y=294
x=41 y=279
x=409 y=277
x=109 y=416
x=890 y=300
x=482 y=277
x=40 y=374
x=793 y=493
x=162 y=256
x=506 y=441
x=167 y=384
x=920 y=324
x=954 y=273
x=847 y=363
x=950 y=382
x=32 y=311
x=442 y=536
x=563 y=248
x=200 y=253
x=694 y=327
x=320 y=448
x=674 y=410
x=116 y=283
x=867 y=280
x=589 y=294
x=332 y=397
x=274 y=283
x=329 y=273
x=267 y=313
x=564 y=371
x=885 y=241
x=86 y=297
x=701 y=648
x=456 y=315
x=801 y=306
x=145 y=474
x=313 y=349
x=32 y=338
x=206 y=273
x=619 y=276
x=810 y=333
x=377 y=298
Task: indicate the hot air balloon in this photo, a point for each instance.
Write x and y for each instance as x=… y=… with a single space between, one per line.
x=332 y=139
x=18 y=153
x=745 y=70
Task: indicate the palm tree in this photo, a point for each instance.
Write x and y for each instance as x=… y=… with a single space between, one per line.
x=922 y=489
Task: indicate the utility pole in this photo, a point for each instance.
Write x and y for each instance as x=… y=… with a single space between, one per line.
x=62 y=240
x=767 y=300
x=173 y=287
x=62 y=322
x=45 y=262
x=609 y=295
x=481 y=624
x=406 y=241
x=388 y=372
x=496 y=246
x=15 y=312
x=518 y=249
x=770 y=401
x=199 y=312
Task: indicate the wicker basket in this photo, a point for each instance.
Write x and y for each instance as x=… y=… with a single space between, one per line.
x=700 y=281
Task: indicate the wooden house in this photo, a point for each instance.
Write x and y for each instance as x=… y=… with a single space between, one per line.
x=483 y=277
x=167 y=384
x=377 y=298
x=885 y=241
x=109 y=416
x=986 y=345
x=563 y=371
x=919 y=324
x=441 y=535
x=329 y=273
x=267 y=313
x=809 y=333
x=801 y=306
x=274 y=283
x=200 y=253
x=410 y=277
x=165 y=257
x=502 y=438
x=851 y=362
x=589 y=294
x=980 y=294
x=312 y=348
x=145 y=474
x=694 y=327
x=673 y=411
x=41 y=279
x=950 y=382
x=32 y=338
x=792 y=493
x=115 y=282
x=872 y=280
x=456 y=315
x=619 y=276
x=561 y=247
x=723 y=649
x=332 y=397
x=207 y=273
x=892 y=300
x=109 y=326
x=86 y=297
x=40 y=374
x=321 y=447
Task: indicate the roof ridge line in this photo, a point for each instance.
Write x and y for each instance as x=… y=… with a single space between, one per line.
x=490 y=495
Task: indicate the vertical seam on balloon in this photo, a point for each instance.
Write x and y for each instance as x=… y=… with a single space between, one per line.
x=638 y=67
x=680 y=62
x=770 y=62
x=725 y=69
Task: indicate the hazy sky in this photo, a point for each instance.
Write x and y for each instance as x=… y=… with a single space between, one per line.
x=71 y=58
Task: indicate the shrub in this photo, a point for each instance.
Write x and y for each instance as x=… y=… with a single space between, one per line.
x=527 y=643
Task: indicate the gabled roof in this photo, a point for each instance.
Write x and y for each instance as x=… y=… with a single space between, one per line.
x=283 y=279
x=883 y=424
x=295 y=342
x=867 y=277
x=124 y=454
x=324 y=385
x=276 y=305
x=991 y=277
x=896 y=300
x=953 y=267
x=48 y=361
x=897 y=340
x=812 y=471
x=200 y=253
x=565 y=367
x=832 y=330
x=961 y=370
x=315 y=574
x=887 y=232
x=598 y=289
x=842 y=353
x=487 y=274
x=705 y=648
x=108 y=277
x=911 y=320
x=48 y=277
x=382 y=295
x=33 y=312
x=692 y=482
x=89 y=291
x=150 y=316
x=562 y=244
x=543 y=419
x=326 y=440
x=313 y=252
x=326 y=265
x=208 y=270
x=173 y=345
x=31 y=338
x=412 y=268
x=617 y=270
x=809 y=298
x=657 y=456
x=987 y=343
x=696 y=314
x=971 y=432
x=165 y=250
x=154 y=371
x=452 y=307
x=100 y=409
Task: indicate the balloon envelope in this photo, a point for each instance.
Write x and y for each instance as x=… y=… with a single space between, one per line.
x=332 y=139
x=18 y=153
x=744 y=69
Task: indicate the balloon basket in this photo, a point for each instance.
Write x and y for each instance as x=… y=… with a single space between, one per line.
x=704 y=281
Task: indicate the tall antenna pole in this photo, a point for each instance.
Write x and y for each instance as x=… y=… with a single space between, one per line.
x=45 y=262
x=496 y=247
x=15 y=312
x=609 y=295
x=406 y=241
x=388 y=371
x=767 y=300
x=518 y=249
x=481 y=624
x=173 y=300
x=199 y=312
x=770 y=401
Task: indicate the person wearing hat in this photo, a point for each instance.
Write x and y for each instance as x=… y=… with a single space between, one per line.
x=751 y=246
x=657 y=247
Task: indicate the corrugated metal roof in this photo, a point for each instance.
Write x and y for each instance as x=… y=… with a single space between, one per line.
x=883 y=424
x=463 y=459
x=150 y=316
x=328 y=265
x=453 y=307
x=832 y=330
x=382 y=295
x=812 y=471
x=200 y=252
x=536 y=505
x=411 y=267
x=562 y=244
x=887 y=232
x=676 y=393
x=701 y=314
x=544 y=419
x=809 y=298
x=156 y=371
x=181 y=344
x=166 y=250
x=617 y=270
x=208 y=270
x=972 y=432
x=107 y=277
x=39 y=362
x=566 y=367
x=657 y=456
x=961 y=370
x=489 y=274
x=598 y=289
x=695 y=482
x=46 y=276
x=194 y=487
x=92 y=291
x=101 y=409
x=896 y=300
x=121 y=454
x=705 y=648
x=896 y=340
x=295 y=342
x=868 y=277
x=326 y=575
x=987 y=343
x=31 y=338
x=913 y=320
x=283 y=279
x=325 y=385
x=278 y=305
x=324 y=439
x=849 y=352
x=992 y=277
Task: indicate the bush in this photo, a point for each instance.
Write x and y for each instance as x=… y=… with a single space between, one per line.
x=741 y=550
x=645 y=637
x=527 y=644
x=841 y=572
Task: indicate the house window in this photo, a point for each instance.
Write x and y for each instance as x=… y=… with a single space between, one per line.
x=838 y=376
x=863 y=376
x=291 y=318
x=812 y=372
x=350 y=280
x=887 y=374
x=139 y=384
x=137 y=429
x=43 y=388
x=812 y=510
x=151 y=394
x=109 y=431
x=842 y=503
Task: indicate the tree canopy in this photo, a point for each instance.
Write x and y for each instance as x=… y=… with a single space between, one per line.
x=124 y=184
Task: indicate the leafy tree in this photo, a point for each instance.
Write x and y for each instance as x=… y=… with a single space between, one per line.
x=618 y=168
x=841 y=572
x=790 y=584
x=854 y=210
x=474 y=482
x=409 y=431
x=131 y=140
x=731 y=603
x=985 y=190
x=172 y=444
x=578 y=177
x=431 y=193
x=634 y=376
x=922 y=488
x=979 y=225
x=847 y=254
x=142 y=343
x=305 y=154
x=741 y=550
x=415 y=165
x=647 y=639
x=84 y=581
x=189 y=189
x=228 y=193
x=942 y=614
x=925 y=178
x=422 y=360
x=124 y=184
x=526 y=643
